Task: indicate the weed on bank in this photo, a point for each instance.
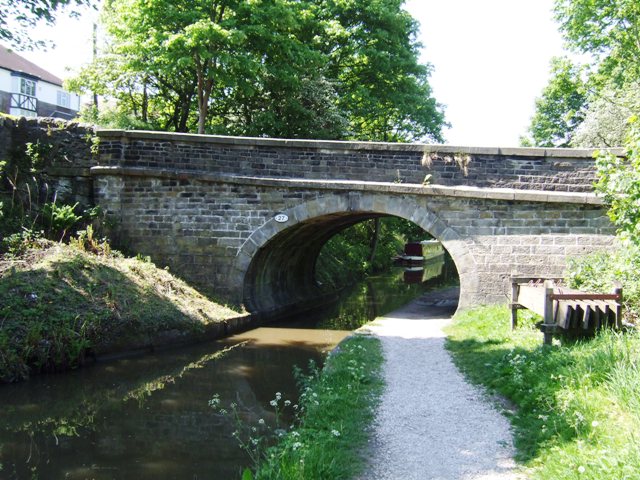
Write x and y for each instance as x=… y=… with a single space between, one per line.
x=576 y=406
x=337 y=406
x=60 y=303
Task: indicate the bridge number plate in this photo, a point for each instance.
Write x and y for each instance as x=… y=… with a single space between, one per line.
x=281 y=218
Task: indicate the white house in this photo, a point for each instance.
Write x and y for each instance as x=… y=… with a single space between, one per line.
x=28 y=90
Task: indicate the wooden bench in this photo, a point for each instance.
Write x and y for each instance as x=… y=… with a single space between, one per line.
x=563 y=309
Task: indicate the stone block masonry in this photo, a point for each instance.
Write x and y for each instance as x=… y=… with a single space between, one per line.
x=560 y=170
x=221 y=235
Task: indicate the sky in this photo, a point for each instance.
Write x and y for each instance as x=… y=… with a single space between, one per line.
x=490 y=61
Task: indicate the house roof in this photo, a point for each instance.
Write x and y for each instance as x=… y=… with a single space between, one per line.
x=10 y=60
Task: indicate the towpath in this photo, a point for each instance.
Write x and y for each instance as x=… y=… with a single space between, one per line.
x=432 y=424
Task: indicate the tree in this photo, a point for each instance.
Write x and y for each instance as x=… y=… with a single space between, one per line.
x=606 y=117
x=608 y=30
x=27 y=14
x=373 y=56
x=305 y=108
x=228 y=57
x=559 y=109
x=289 y=68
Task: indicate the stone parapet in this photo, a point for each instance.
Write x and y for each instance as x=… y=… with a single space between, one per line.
x=560 y=170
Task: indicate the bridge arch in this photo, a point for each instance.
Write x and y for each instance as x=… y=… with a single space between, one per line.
x=275 y=265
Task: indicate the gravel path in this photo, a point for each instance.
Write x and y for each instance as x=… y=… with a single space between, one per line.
x=431 y=423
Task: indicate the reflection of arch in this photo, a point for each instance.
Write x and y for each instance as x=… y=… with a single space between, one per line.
x=276 y=263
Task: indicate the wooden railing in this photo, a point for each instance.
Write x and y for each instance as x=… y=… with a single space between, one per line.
x=25 y=102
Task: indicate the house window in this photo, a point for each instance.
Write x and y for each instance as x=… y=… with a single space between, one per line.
x=28 y=87
x=64 y=99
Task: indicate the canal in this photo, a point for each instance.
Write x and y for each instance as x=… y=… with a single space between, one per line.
x=149 y=417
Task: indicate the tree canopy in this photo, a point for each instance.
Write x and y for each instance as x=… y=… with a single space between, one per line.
x=559 y=109
x=607 y=33
x=288 y=68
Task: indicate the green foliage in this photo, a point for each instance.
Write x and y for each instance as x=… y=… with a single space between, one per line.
x=605 y=32
x=606 y=118
x=87 y=242
x=29 y=208
x=337 y=405
x=619 y=184
x=608 y=31
x=373 y=56
x=310 y=69
x=348 y=255
x=18 y=243
x=574 y=408
x=558 y=110
x=59 y=219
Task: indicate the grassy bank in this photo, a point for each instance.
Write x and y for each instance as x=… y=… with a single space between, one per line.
x=576 y=412
x=60 y=303
x=336 y=410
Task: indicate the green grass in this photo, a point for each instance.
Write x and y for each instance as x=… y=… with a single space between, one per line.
x=576 y=412
x=59 y=303
x=337 y=408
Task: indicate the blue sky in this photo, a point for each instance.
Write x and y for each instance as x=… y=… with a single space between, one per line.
x=490 y=58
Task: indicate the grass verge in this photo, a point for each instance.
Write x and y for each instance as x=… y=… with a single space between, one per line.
x=59 y=302
x=577 y=407
x=337 y=407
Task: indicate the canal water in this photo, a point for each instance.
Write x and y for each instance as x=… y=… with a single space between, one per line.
x=149 y=417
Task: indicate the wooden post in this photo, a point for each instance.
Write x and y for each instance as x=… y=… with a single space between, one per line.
x=618 y=291
x=514 y=300
x=548 y=312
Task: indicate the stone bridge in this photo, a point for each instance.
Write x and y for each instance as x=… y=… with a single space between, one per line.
x=206 y=206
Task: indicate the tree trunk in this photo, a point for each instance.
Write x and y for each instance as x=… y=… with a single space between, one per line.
x=204 y=92
x=145 y=102
x=374 y=240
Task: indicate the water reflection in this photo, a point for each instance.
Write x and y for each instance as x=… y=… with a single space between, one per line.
x=143 y=418
x=380 y=294
x=148 y=417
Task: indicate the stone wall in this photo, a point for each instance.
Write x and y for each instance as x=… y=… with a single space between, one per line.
x=69 y=154
x=534 y=169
